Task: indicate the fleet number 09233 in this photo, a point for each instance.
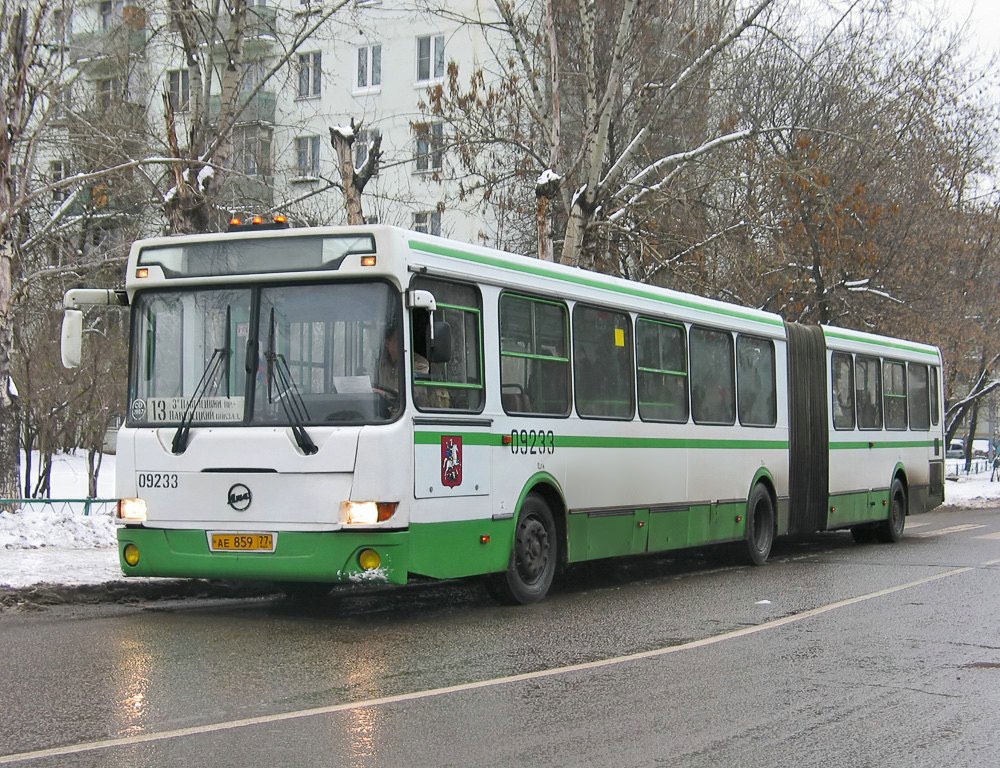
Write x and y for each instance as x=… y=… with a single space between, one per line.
x=532 y=441
x=157 y=480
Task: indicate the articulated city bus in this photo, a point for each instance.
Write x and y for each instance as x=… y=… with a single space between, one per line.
x=338 y=404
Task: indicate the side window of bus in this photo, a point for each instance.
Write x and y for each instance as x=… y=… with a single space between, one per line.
x=842 y=390
x=455 y=385
x=662 y=370
x=756 y=391
x=534 y=356
x=934 y=396
x=868 y=387
x=894 y=381
x=602 y=363
x=917 y=397
x=713 y=394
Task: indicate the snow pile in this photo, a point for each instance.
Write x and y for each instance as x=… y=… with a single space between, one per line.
x=972 y=492
x=50 y=526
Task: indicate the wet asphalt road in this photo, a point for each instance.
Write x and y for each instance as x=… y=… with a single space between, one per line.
x=870 y=677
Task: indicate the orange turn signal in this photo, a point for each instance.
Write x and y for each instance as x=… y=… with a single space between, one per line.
x=367 y=261
x=142 y=272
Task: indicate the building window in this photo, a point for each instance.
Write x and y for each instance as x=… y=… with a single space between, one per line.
x=430 y=57
x=428 y=222
x=252 y=150
x=307 y=156
x=111 y=13
x=369 y=66
x=310 y=74
x=253 y=74
x=430 y=146
x=109 y=91
x=59 y=170
x=362 y=144
x=60 y=25
x=178 y=89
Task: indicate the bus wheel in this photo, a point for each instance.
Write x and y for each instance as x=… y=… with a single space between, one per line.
x=760 y=525
x=891 y=530
x=533 y=561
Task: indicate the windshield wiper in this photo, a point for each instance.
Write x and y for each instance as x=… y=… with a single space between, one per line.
x=220 y=356
x=287 y=393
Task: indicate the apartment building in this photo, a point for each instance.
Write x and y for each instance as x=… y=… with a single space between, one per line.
x=371 y=61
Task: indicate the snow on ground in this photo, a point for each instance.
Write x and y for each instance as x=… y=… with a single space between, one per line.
x=59 y=544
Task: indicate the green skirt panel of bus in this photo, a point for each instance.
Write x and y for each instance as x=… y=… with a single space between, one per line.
x=297 y=556
x=437 y=550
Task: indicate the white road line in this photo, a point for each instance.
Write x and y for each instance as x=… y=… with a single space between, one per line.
x=991 y=536
x=910 y=525
x=91 y=746
x=946 y=531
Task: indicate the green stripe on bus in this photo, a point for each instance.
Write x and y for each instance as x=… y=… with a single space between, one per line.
x=593 y=441
x=589 y=282
x=882 y=444
x=908 y=346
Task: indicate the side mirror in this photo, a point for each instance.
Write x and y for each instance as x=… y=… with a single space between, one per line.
x=439 y=344
x=72 y=338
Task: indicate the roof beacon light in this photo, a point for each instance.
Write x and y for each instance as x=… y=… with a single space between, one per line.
x=257 y=220
x=235 y=221
x=280 y=219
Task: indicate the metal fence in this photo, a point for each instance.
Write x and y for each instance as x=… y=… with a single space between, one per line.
x=63 y=506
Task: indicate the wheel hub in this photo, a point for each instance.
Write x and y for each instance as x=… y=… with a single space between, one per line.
x=532 y=549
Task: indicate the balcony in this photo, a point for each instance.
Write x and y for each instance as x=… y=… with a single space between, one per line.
x=123 y=38
x=260 y=29
x=248 y=192
x=259 y=109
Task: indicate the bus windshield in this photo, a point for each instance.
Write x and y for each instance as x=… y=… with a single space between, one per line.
x=277 y=355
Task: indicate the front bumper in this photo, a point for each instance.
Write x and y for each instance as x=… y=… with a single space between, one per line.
x=326 y=556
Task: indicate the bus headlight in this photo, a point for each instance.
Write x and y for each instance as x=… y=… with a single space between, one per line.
x=132 y=510
x=366 y=512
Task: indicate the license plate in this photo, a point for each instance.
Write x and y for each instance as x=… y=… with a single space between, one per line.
x=241 y=542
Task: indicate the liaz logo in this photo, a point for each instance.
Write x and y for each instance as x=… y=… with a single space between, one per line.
x=239 y=497
x=451 y=460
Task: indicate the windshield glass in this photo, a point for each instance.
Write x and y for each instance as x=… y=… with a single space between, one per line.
x=320 y=353
x=333 y=350
x=181 y=337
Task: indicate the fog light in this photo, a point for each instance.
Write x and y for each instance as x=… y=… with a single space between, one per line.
x=369 y=559
x=131 y=555
x=132 y=510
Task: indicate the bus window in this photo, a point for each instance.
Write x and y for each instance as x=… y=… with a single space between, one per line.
x=456 y=385
x=662 y=371
x=934 y=395
x=713 y=394
x=755 y=381
x=602 y=363
x=918 y=400
x=894 y=378
x=534 y=356
x=842 y=390
x=868 y=387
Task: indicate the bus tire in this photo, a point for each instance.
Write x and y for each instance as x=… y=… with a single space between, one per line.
x=533 y=559
x=891 y=530
x=760 y=525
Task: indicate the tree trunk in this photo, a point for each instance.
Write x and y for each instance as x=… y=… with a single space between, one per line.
x=352 y=195
x=94 y=458
x=973 y=421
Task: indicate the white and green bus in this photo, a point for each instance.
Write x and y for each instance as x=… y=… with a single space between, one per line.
x=337 y=404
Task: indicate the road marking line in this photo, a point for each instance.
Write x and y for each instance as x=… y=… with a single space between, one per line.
x=910 y=525
x=197 y=730
x=993 y=536
x=946 y=531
